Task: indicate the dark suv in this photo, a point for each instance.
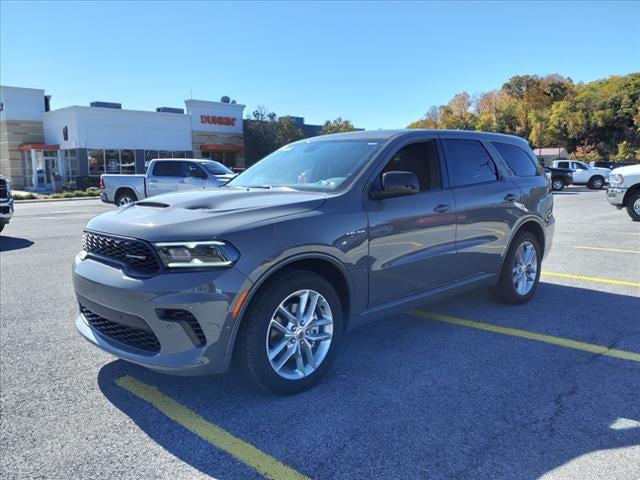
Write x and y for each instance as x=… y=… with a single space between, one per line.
x=318 y=238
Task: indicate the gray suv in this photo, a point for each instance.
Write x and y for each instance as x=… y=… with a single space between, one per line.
x=316 y=239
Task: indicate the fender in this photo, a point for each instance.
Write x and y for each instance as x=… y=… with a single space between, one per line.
x=516 y=228
x=268 y=274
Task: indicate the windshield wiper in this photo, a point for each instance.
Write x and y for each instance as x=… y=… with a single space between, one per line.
x=266 y=187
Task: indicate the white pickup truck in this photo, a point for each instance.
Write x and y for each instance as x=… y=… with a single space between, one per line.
x=624 y=190
x=164 y=176
x=584 y=174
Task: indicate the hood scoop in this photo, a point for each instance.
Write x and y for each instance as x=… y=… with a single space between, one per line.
x=151 y=204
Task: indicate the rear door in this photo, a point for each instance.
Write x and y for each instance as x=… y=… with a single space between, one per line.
x=193 y=177
x=411 y=238
x=486 y=200
x=164 y=177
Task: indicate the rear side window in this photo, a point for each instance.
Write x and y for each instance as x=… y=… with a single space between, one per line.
x=468 y=162
x=167 y=169
x=519 y=162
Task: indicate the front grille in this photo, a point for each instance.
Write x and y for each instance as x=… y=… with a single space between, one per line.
x=134 y=253
x=187 y=320
x=4 y=191
x=5 y=210
x=131 y=336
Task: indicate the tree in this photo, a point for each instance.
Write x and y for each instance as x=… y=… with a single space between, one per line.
x=626 y=153
x=431 y=119
x=337 y=125
x=457 y=113
x=264 y=134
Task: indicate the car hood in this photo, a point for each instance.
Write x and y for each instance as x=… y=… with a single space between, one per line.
x=203 y=215
x=628 y=170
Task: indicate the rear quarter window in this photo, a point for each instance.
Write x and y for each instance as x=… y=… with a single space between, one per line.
x=518 y=160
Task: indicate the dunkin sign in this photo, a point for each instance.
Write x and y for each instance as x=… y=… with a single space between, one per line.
x=217 y=120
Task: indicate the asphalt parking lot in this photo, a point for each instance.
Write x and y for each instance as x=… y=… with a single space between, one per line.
x=465 y=388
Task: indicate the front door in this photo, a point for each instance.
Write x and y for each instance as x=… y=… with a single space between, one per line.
x=193 y=177
x=411 y=238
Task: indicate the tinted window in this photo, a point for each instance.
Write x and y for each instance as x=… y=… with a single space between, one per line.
x=563 y=164
x=192 y=170
x=519 y=162
x=216 y=168
x=167 y=169
x=420 y=158
x=468 y=162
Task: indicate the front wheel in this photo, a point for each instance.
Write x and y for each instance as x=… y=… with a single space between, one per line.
x=596 y=183
x=520 y=272
x=633 y=206
x=557 y=184
x=291 y=332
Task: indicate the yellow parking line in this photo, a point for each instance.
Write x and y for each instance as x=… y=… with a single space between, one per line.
x=601 y=249
x=264 y=464
x=626 y=283
x=563 y=342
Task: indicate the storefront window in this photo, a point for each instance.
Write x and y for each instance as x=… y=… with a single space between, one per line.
x=164 y=154
x=112 y=160
x=127 y=161
x=27 y=168
x=72 y=169
x=206 y=154
x=96 y=162
x=148 y=156
x=179 y=155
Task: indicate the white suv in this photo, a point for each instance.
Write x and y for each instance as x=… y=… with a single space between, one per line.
x=624 y=190
x=583 y=174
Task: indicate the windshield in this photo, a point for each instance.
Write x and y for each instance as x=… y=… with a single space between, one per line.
x=309 y=165
x=215 y=168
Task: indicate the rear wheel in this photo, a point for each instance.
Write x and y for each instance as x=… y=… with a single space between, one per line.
x=124 y=197
x=633 y=206
x=520 y=271
x=291 y=332
x=2 y=226
x=557 y=184
x=596 y=183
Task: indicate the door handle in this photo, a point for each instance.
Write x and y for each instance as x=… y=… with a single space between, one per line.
x=442 y=208
x=511 y=197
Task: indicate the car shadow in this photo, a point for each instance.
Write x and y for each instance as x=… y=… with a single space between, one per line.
x=8 y=244
x=413 y=398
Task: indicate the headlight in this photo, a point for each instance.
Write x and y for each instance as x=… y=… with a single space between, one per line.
x=616 y=180
x=212 y=253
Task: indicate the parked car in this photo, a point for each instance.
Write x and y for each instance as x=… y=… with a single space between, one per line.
x=318 y=238
x=609 y=165
x=583 y=174
x=624 y=190
x=559 y=177
x=164 y=176
x=6 y=202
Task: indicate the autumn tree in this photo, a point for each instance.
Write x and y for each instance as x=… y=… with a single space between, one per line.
x=337 y=125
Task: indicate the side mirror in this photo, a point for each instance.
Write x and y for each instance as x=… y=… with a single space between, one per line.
x=397 y=184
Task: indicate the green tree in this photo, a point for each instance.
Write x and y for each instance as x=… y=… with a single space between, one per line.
x=431 y=119
x=337 y=125
x=626 y=153
x=264 y=134
x=457 y=114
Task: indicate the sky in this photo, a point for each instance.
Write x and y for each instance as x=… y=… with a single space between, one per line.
x=381 y=65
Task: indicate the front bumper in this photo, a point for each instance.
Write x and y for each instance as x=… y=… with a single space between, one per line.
x=208 y=295
x=6 y=210
x=615 y=196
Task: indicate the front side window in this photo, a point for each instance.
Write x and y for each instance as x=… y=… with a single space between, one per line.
x=319 y=165
x=563 y=164
x=420 y=158
x=468 y=162
x=96 y=162
x=519 y=162
x=216 y=168
x=167 y=169
x=190 y=169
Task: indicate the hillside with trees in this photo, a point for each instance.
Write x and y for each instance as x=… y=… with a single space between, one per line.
x=595 y=120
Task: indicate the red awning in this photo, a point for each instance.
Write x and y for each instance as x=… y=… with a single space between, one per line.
x=221 y=148
x=38 y=146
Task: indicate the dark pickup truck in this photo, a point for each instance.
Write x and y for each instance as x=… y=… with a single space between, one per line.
x=559 y=177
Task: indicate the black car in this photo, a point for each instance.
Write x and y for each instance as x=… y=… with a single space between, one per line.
x=560 y=177
x=610 y=165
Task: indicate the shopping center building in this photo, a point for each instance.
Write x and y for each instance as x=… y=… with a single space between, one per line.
x=42 y=149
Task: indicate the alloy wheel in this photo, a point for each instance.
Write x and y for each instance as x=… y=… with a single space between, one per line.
x=299 y=334
x=525 y=268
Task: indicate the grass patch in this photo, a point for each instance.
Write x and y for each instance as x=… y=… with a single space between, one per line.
x=89 y=192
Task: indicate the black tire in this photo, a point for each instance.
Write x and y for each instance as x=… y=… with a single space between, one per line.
x=596 y=182
x=125 y=196
x=557 y=184
x=252 y=347
x=633 y=198
x=505 y=290
x=2 y=226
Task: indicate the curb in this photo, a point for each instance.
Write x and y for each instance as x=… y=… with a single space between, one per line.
x=43 y=200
